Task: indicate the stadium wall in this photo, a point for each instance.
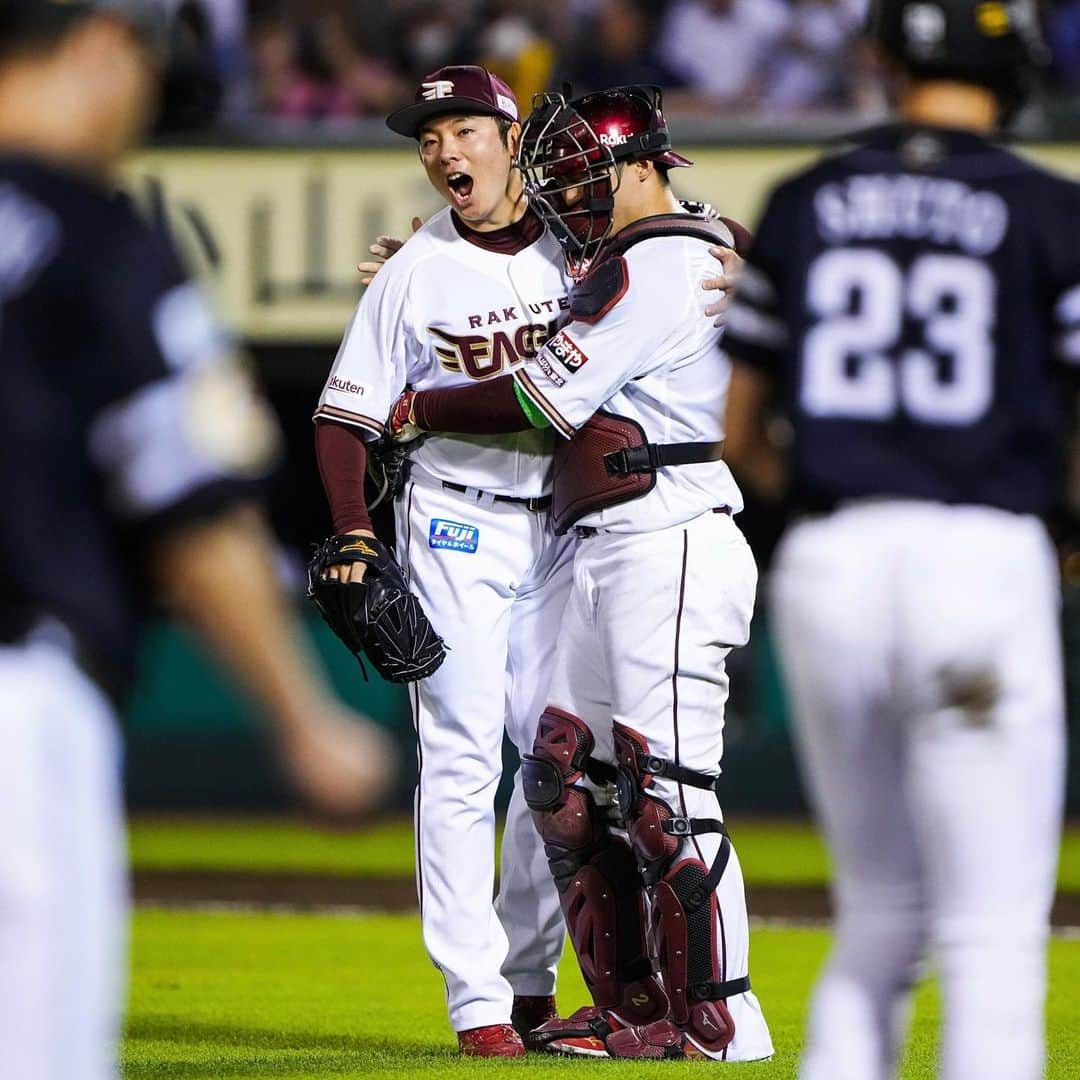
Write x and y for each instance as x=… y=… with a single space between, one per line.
x=276 y=233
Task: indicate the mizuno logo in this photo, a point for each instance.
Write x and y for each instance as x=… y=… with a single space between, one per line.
x=640 y=1000
x=432 y=91
x=362 y=547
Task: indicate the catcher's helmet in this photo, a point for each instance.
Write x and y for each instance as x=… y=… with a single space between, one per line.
x=993 y=43
x=568 y=155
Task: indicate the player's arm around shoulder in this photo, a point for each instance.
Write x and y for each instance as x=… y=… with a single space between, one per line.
x=371 y=365
x=617 y=325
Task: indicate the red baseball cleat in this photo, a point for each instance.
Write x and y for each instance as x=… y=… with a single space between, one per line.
x=493 y=1040
x=582 y=1035
x=530 y=1012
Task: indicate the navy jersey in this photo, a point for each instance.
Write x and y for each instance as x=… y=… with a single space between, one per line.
x=917 y=301
x=120 y=409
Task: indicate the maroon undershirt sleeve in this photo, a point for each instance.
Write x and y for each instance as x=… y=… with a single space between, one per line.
x=342 y=464
x=485 y=408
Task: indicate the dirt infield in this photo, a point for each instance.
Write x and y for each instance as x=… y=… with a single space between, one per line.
x=312 y=891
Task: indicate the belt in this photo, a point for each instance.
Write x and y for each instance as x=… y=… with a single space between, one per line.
x=537 y=504
x=584 y=532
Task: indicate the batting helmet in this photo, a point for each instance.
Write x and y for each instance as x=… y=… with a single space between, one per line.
x=568 y=155
x=993 y=43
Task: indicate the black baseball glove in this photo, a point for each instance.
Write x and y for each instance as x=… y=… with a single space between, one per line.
x=388 y=467
x=378 y=616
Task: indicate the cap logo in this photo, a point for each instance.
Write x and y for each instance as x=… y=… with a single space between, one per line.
x=992 y=19
x=506 y=104
x=924 y=27
x=432 y=91
x=616 y=138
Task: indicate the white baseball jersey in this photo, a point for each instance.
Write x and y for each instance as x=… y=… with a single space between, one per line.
x=667 y=372
x=443 y=311
x=447 y=309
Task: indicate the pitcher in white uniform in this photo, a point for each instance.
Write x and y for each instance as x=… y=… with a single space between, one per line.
x=471 y=296
x=663 y=589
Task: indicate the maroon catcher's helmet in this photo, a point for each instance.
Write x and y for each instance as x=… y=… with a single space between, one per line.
x=568 y=154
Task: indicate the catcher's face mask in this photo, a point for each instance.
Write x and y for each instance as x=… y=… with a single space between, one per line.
x=570 y=178
x=569 y=156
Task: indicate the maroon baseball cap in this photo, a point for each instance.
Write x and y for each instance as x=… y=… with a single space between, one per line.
x=458 y=88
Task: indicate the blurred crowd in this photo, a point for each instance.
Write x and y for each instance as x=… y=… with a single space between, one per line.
x=336 y=60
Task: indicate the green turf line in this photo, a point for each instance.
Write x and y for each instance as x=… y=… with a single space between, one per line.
x=771 y=853
x=231 y=996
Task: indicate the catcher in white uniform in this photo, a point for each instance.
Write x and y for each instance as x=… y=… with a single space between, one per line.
x=663 y=588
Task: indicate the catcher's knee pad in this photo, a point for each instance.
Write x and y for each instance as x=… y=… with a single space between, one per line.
x=681 y=886
x=595 y=872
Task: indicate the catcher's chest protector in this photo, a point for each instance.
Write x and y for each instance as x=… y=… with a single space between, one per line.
x=581 y=481
x=585 y=478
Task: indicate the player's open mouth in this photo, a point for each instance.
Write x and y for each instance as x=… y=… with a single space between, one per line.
x=460 y=186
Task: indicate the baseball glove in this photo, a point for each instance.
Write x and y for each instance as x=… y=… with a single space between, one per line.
x=388 y=467
x=378 y=616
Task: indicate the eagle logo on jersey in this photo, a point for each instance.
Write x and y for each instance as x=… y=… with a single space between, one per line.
x=482 y=357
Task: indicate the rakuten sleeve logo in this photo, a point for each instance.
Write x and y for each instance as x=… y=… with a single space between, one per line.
x=343 y=386
x=453 y=536
x=567 y=352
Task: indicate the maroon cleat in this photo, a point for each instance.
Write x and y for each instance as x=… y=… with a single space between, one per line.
x=581 y=1034
x=493 y=1040
x=530 y=1012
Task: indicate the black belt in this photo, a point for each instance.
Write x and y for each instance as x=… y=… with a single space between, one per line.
x=537 y=504
x=653 y=456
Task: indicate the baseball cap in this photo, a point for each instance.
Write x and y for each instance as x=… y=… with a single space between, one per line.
x=148 y=17
x=457 y=88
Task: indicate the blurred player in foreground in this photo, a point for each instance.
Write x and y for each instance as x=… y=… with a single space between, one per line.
x=911 y=306
x=130 y=447
x=663 y=588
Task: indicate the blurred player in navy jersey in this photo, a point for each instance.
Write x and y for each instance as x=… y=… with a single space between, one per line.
x=131 y=446
x=912 y=307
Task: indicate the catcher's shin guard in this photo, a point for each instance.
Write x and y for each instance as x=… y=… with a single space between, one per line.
x=595 y=872
x=684 y=903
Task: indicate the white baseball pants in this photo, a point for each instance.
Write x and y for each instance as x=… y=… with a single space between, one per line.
x=650 y=621
x=921 y=648
x=495 y=587
x=63 y=890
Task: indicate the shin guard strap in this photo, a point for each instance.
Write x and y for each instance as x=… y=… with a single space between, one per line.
x=701 y=894
x=719 y=991
x=684 y=826
x=669 y=770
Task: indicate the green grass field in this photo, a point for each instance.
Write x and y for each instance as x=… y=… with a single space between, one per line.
x=229 y=995
x=771 y=852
